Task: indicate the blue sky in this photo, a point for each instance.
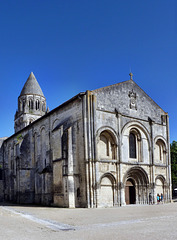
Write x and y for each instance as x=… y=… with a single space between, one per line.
x=78 y=45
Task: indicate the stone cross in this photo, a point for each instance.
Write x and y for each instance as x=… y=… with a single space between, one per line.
x=131 y=75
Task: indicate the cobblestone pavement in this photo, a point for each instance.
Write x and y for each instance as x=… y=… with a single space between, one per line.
x=129 y=222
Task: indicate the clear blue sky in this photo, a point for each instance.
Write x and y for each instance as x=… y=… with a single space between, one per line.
x=77 y=45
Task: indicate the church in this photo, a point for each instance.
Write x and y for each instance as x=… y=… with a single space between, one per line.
x=107 y=147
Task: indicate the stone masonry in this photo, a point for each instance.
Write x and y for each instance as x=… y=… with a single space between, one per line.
x=102 y=148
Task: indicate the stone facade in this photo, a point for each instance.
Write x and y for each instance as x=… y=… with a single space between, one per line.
x=102 y=148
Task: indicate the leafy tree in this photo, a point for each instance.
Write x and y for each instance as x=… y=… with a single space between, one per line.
x=173 y=149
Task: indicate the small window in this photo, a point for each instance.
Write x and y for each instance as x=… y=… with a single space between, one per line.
x=23 y=105
x=30 y=104
x=37 y=104
x=132 y=145
x=43 y=107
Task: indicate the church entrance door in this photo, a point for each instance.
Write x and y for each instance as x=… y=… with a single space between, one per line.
x=130 y=192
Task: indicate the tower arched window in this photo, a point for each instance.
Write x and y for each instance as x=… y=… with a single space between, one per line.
x=132 y=145
x=43 y=107
x=23 y=105
x=37 y=104
x=30 y=104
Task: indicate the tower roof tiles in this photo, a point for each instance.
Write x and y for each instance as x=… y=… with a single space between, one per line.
x=31 y=86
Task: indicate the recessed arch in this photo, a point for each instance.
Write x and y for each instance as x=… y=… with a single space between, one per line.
x=110 y=130
x=160 y=152
x=43 y=106
x=159 y=137
x=30 y=103
x=136 y=125
x=136 y=143
x=106 y=190
x=108 y=175
x=55 y=123
x=136 y=184
x=37 y=104
x=106 y=144
x=160 y=183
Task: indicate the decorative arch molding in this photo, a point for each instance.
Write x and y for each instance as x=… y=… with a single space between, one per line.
x=110 y=176
x=136 y=131
x=136 y=142
x=159 y=137
x=136 y=185
x=161 y=178
x=37 y=104
x=138 y=125
x=110 y=130
x=30 y=103
x=42 y=128
x=35 y=134
x=161 y=150
x=140 y=174
x=55 y=124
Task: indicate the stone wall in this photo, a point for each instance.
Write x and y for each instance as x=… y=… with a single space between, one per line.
x=81 y=154
x=38 y=160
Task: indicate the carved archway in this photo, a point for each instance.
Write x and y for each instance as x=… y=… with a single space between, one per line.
x=136 y=184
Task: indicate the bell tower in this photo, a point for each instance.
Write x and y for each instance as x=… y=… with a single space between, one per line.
x=31 y=104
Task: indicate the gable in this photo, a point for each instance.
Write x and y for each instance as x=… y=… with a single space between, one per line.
x=128 y=99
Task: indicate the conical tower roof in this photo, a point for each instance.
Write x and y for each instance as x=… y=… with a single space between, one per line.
x=31 y=86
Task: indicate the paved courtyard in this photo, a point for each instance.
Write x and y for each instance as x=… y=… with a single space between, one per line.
x=129 y=222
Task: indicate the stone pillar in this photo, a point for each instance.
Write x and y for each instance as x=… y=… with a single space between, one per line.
x=93 y=147
x=70 y=183
x=122 y=194
x=168 y=160
x=152 y=160
x=88 y=191
x=120 y=179
x=90 y=150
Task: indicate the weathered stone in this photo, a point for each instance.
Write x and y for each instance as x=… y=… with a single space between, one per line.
x=106 y=147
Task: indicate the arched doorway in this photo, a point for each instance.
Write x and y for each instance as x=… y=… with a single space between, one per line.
x=130 y=192
x=136 y=186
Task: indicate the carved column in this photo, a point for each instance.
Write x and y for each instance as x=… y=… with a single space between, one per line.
x=70 y=183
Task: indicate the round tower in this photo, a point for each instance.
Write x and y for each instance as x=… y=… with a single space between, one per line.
x=31 y=104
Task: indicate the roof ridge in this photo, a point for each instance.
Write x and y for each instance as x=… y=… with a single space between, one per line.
x=99 y=89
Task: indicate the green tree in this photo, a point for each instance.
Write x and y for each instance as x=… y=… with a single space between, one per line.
x=173 y=149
